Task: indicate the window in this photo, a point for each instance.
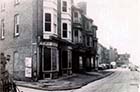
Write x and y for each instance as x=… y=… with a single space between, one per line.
x=76 y=33
x=2 y=29
x=16 y=25
x=48 y=22
x=64 y=7
x=17 y=1
x=88 y=41
x=64 y=59
x=47 y=59
x=76 y=14
x=54 y=59
x=65 y=28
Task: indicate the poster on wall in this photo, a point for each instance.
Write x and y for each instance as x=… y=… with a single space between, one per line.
x=28 y=62
x=28 y=72
x=28 y=67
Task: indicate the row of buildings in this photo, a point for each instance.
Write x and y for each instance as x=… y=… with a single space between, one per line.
x=47 y=38
x=109 y=55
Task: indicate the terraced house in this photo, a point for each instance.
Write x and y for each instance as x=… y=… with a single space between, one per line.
x=42 y=36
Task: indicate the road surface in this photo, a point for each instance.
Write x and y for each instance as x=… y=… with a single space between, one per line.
x=123 y=80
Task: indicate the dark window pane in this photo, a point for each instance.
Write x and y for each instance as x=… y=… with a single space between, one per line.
x=48 y=17
x=64 y=26
x=88 y=41
x=64 y=29
x=64 y=33
x=47 y=59
x=64 y=59
x=47 y=26
x=64 y=3
x=76 y=33
x=17 y=28
x=64 y=8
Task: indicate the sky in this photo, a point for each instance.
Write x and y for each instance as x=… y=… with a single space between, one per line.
x=118 y=24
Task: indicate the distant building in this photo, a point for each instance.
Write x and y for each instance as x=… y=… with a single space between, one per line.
x=83 y=7
x=85 y=40
x=113 y=54
x=103 y=54
x=123 y=59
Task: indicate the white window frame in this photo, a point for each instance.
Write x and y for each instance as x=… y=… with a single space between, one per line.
x=48 y=22
x=16 y=23
x=65 y=6
x=2 y=29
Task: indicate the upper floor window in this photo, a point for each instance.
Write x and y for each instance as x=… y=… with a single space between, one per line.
x=65 y=28
x=64 y=6
x=88 y=41
x=76 y=33
x=16 y=24
x=48 y=22
x=17 y=2
x=2 y=29
x=76 y=14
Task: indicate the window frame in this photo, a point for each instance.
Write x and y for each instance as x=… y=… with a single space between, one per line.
x=49 y=21
x=64 y=6
x=64 y=30
x=16 y=25
x=2 y=29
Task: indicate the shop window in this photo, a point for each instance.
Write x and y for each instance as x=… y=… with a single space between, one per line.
x=54 y=59
x=47 y=59
x=64 y=59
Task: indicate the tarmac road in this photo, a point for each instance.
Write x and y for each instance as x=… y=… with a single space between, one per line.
x=123 y=80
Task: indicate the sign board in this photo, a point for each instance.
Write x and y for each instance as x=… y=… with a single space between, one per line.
x=28 y=62
x=28 y=67
x=28 y=72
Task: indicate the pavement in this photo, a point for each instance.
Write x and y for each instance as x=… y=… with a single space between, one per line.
x=122 y=80
x=74 y=81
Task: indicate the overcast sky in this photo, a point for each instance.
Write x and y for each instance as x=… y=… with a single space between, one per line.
x=118 y=24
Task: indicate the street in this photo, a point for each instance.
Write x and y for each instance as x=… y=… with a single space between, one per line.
x=123 y=80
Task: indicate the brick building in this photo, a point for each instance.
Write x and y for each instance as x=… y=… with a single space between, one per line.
x=38 y=35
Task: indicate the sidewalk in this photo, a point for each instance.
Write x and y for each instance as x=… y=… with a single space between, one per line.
x=66 y=83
